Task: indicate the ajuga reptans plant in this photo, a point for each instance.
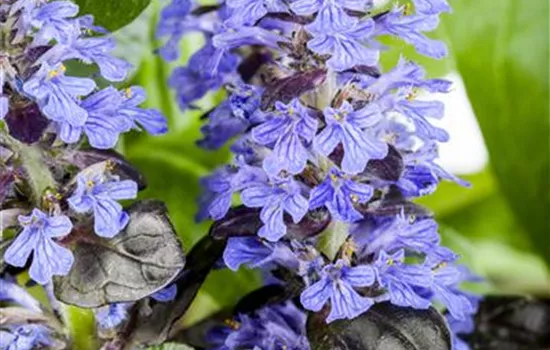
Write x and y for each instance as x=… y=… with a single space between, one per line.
x=329 y=152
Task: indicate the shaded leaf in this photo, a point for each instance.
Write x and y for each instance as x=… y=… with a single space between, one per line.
x=265 y=296
x=511 y=323
x=154 y=326
x=140 y=260
x=383 y=327
x=112 y=15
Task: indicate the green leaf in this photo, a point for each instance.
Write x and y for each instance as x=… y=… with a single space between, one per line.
x=112 y=14
x=81 y=327
x=501 y=51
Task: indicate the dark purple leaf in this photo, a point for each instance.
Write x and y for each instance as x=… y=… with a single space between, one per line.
x=388 y=169
x=239 y=221
x=312 y=224
x=201 y=10
x=26 y=63
x=85 y=158
x=286 y=89
x=511 y=323
x=244 y=221
x=367 y=70
x=26 y=123
x=252 y=64
x=152 y=325
x=393 y=203
x=383 y=327
x=265 y=296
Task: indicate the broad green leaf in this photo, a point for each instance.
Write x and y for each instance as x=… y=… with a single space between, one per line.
x=501 y=51
x=112 y=14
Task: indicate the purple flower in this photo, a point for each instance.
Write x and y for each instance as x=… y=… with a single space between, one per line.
x=25 y=337
x=207 y=70
x=97 y=193
x=431 y=7
x=339 y=194
x=220 y=186
x=4 y=106
x=400 y=280
x=422 y=174
x=402 y=232
x=275 y=327
x=406 y=74
x=309 y=7
x=232 y=117
x=174 y=19
x=447 y=278
x=97 y=50
x=247 y=12
x=460 y=327
x=112 y=315
x=150 y=119
x=102 y=126
x=287 y=129
x=343 y=41
x=254 y=253
x=166 y=294
x=53 y=22
x=410 y=28
x=275 y=197
x=57 y=94
x=37 y=236
x=247 y=36
x=350 y=128
x=337 y=285
x=418 y=111
x=13 y=293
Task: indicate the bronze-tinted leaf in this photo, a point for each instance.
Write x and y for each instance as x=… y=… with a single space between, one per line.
x=286 y=89
x=239 y=221
x=139 y=261
x=389 y=169
x=88 y=157
x=244 y=221
x=315 y=222
x=511 y=323
x=393 y=203
x=383 y=327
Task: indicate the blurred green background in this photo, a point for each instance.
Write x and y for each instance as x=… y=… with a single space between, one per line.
x=500 y=225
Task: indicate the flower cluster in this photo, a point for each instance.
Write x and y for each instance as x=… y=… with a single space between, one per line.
x=276 y=327
x=319 y=130
x=61 y=181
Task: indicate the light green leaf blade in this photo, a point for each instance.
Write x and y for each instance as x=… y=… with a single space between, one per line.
x=501 y=51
